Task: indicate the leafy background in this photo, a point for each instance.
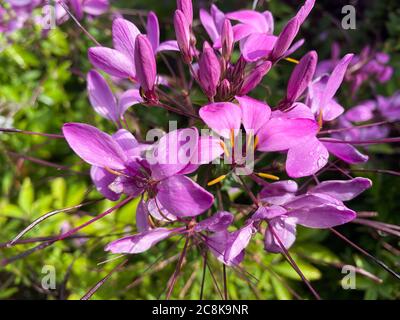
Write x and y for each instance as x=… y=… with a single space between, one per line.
x=42 y=85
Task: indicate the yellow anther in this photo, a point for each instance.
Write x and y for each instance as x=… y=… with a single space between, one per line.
x=267 y=176
x=320 y=119
x=232 y=136
x=216 y=180
x=226 y=151
x=292 y=60
x=150 y=221
x=249 y=142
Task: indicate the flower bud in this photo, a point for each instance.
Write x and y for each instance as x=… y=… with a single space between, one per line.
x=224 y=90
x=285 y=39
x=209 y=71
x=187 y=8
x=301 y=76
x=183 y=37
x=227 y=40
x=255 y=77
x=145 y=64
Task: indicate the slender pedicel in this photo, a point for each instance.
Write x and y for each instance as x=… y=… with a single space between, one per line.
x=377 y=261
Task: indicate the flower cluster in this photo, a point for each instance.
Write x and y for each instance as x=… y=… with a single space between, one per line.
x=165 y=173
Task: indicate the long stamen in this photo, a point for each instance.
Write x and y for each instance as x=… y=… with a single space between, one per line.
x=97 y=286
x=361 y=142
x=48 y=135
x=292 y=60
x=226 y=151
x=320 y=119
x=367 y=254
x=267 y=176
x=253 y=143
x=65 y=7
x=232 y=137
x=256 y=140
x=216 y=180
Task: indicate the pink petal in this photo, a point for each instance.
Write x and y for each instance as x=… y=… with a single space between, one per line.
x=183 y=197
x=281 y=134
x=293 y=48
x=268 y=212
x=343 y=190
x=241 y=31
x=129 y=98
x=173 y=152
x=101 y=97
x=301 y=76
x=362 y=112
x=284 y=229
x=222 y=117
x=256 y=19
x=186 y=7
x=145 y=63
x=102 y=180
x=306 y=158
x=77 y=8
x=305 y=10
x=140 y=242
x=170 y=45
x=346 y=152
x=218 y=222
x=208 y=23
x=124 y=36
x=142 y=223
x=127 y=142
x=297 y=111
x=94 y=146
x=285 y=39
x=324 y=216
x=332 y=110
x=253 y=79
x=278 y=193
x=95 y=7
x=238 y=241
x=218 y=16
x=336 y=78
x=217 y=242
x=112 y=62
x=153 y=30
x=255 y=114
x=257 y=46
x=158 y=212
x=311 y=200
x=209 y=149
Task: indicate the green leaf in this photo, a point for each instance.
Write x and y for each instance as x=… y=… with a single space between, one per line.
x=317 y=253
x=280 y=290
x=12 y=210
x=58 y=191
x=7 y=293
x=26 y=195
x=286 y=270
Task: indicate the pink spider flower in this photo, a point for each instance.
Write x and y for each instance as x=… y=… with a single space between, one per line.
x=271 y=131
x=320 y=207
x=120 y=61
x=207 y=231
x=119 y=167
